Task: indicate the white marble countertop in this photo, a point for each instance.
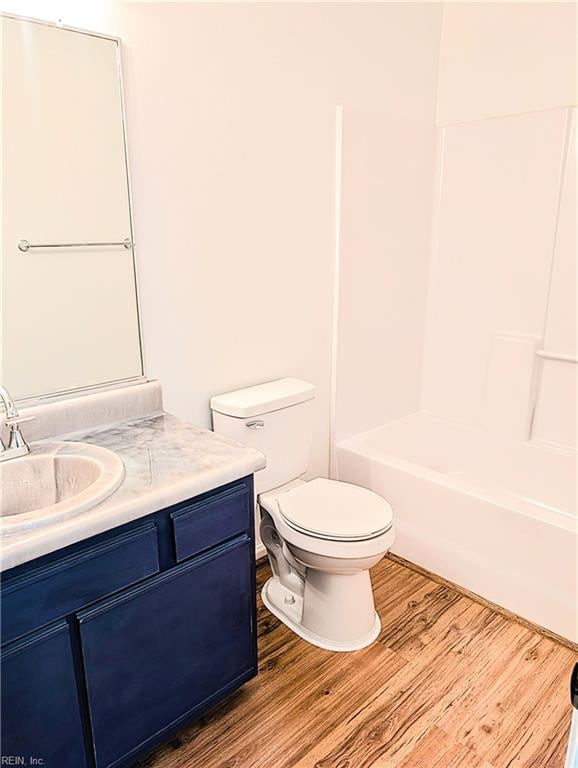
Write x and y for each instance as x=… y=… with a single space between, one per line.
x=166 y=461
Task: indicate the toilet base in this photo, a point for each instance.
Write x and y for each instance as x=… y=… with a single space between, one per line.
x=288 y=608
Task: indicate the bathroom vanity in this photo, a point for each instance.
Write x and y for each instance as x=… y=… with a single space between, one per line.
x=112 y=643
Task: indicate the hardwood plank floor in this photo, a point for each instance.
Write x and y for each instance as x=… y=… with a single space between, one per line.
x=450 y=683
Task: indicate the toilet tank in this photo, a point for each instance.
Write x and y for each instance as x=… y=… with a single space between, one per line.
x=277 y=419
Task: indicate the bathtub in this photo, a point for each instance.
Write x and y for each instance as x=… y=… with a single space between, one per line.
x=497 y=518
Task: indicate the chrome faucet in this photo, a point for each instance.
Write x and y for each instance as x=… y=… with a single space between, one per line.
x=17 y=445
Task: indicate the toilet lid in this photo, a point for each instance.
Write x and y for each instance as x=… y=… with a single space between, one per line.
x=330 y=509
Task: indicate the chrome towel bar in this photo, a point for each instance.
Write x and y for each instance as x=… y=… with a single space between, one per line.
x=24 y=245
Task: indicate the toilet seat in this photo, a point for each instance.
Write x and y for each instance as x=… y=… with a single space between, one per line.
x=335 y=511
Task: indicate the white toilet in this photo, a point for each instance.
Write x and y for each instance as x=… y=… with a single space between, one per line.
x=322 y=536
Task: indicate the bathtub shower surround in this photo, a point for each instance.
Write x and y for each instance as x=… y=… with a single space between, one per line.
x=502 y=277
x=481 y=469
x=466 y=511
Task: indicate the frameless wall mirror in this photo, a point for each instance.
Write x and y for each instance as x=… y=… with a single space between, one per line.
x=69 y=310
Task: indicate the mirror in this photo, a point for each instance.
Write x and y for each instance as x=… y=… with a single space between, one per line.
x=69 y=311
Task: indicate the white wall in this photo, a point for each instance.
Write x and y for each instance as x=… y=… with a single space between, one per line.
x=234 y=214
x=505 y=58
x=234 y=217
x=230 y=112
x=231 y=155
x=388 y=174
x=507 y=74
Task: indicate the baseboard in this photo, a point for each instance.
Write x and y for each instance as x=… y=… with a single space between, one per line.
x=482 y=601
x=261 y=557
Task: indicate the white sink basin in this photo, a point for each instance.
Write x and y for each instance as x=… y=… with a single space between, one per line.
x=53 y=482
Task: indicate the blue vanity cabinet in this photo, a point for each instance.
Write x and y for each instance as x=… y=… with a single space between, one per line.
x=203 y=524
x=48 y=592
x=156 y=654
x=113 y=644
x=41 y=715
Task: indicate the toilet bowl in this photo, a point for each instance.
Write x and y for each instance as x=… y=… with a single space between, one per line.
x=321 y=536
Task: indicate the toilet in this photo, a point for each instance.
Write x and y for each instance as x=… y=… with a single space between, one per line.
x=322 y=536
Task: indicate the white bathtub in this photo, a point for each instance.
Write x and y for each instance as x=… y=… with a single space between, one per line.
x=496 y=518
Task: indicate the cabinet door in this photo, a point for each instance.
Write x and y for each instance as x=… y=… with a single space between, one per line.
x=159 y=653
x=40 y=710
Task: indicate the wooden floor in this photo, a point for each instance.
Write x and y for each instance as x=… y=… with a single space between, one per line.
x=449 y=684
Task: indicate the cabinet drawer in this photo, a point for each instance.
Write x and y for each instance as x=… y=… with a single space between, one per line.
x=53 y=591
x=160 y=652
x=212 y=521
